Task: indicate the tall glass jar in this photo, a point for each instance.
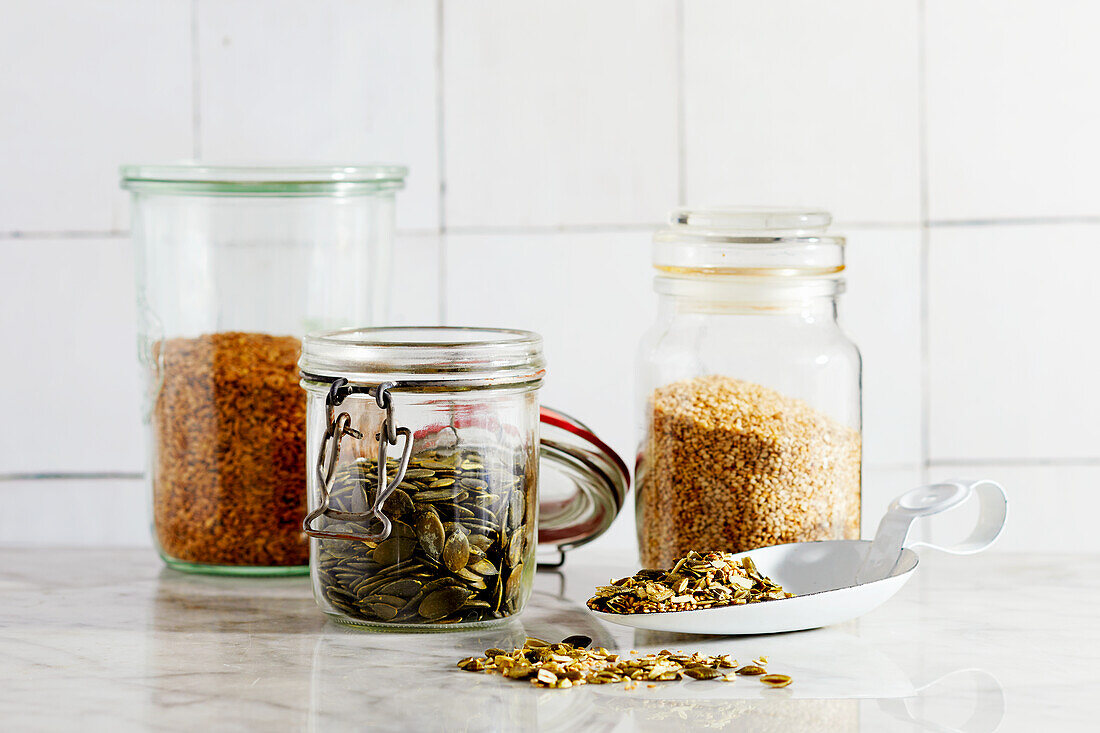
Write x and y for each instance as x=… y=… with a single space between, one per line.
x=445 y=534
x=234 y=266
x=749 y=389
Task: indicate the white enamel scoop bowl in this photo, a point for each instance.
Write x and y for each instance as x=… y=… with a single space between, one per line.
x=838 y=580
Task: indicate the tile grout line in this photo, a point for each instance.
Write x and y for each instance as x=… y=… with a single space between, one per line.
x=71 y=476
x=196 y=85
x=1070 y=462
x=1014 y=221
x=66 y=234
x=441 y=163
x=553 y=229
x=593 y=228
x=924 y=276
x=681 y=111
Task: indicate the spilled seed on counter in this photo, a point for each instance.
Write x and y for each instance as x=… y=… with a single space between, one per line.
x=571 y=663
x=698 y=580
x=457 y=550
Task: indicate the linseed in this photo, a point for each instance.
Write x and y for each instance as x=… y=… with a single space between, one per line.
x=732 y=466
x=229 y=450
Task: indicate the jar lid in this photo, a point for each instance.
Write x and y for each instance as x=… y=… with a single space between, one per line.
x=443 y=354
x=190 y=177
x=737 y=240
x=582 y=483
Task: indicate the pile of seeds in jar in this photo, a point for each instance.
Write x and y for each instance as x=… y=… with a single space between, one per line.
x=696 y=581
x=228 y=424
x=731 y=465
x=571 y=663
x=460 y=545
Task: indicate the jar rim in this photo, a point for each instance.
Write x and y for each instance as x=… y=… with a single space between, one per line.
x=450 y=354
x=253 y=178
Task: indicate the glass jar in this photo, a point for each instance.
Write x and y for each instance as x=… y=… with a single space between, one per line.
x=749 y=390
x=445 y=534
x=234 y=265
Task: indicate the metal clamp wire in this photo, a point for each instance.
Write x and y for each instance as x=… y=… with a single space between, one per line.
x=327 y=460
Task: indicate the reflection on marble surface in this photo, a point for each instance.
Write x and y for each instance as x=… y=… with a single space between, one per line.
x=107 y=639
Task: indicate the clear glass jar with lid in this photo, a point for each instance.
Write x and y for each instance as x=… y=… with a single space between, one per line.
x=749 y=389
x=426 y=450
x=234 y=265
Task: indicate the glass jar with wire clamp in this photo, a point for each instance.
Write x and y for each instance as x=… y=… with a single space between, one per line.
x=424 y=454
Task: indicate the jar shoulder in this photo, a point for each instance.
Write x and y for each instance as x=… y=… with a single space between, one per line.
x=696 y=332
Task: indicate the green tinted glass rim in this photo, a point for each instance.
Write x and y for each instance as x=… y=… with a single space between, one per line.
x=260 y=180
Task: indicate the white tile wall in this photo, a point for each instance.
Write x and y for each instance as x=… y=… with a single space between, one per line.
x=1051 y=507
x=83 y=88
x=417 y=281
x=882 y=313
x=1013 y=357
x=72 y=387
x=1012 y=108
x=589 y=295
x=559 y=112
x=805 y=103
x=334 y=80
x=544 y=140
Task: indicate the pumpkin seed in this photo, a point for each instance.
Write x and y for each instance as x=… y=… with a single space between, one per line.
x=440 y=495
x=398 y=505
x=483 y=567
x=703 y=673
x=429 y=530
x=403 y=587
x=469 y=576
x=480 y=541
x=515 y=508
x=388 y=600
x=511 y=587
x=442 y=602
x=568 y=663
x=456 y=551
x=393 y=550
x=751 y=670
x=452 y=555
x=515 y=549
x=383 y=611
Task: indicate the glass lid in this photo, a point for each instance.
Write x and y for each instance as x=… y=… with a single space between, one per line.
x=732 y=240
x=582 y=483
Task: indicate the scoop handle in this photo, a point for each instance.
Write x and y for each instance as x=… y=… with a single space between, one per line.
x=933 y=499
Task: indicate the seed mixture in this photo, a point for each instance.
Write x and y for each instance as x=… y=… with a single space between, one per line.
x=696 y=581
x=229 y=481
x=731 y=465
x=571 y=663
x=460 y=545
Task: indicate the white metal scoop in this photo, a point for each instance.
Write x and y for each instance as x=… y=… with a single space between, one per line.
x=838 y=580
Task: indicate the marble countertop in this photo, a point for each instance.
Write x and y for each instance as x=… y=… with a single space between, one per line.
x=93 y=640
